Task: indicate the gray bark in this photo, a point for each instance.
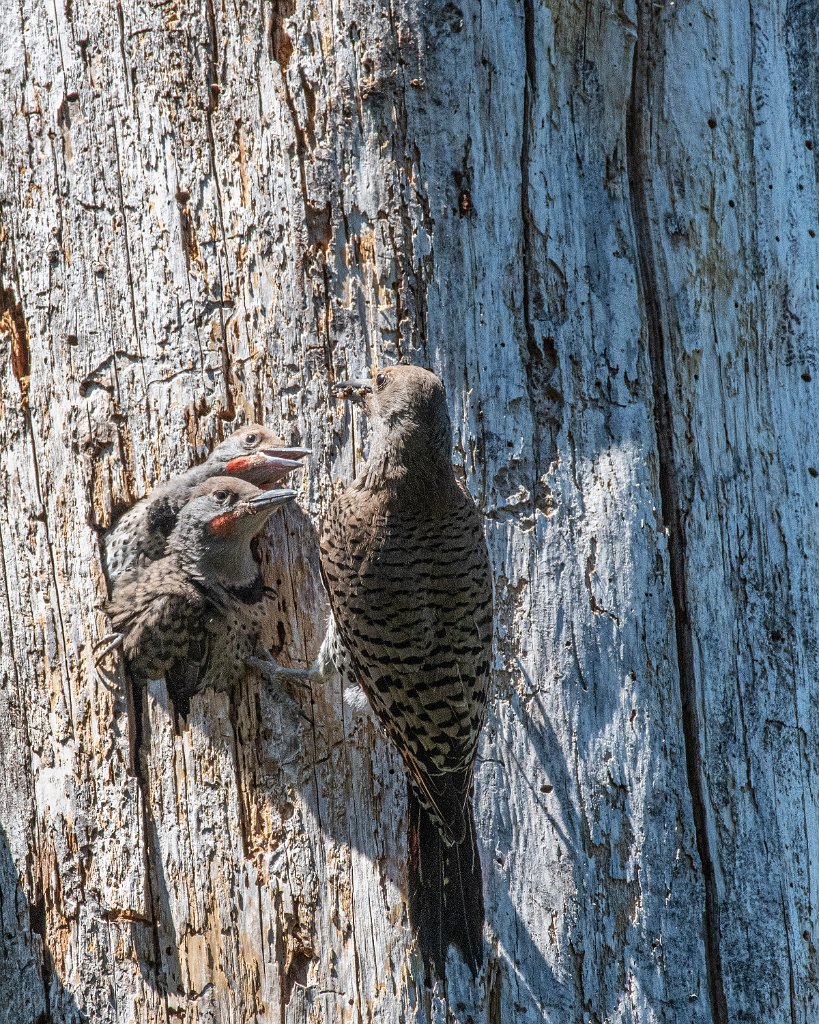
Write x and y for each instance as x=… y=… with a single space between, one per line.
x=598 y=224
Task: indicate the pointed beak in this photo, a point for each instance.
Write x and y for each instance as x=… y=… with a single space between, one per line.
x=352 y=390
x=266 y=466
x=286 y=454
x=263 y=505
x=269 y=501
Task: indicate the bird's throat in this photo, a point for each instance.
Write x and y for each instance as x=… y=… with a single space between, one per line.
x=409 y=475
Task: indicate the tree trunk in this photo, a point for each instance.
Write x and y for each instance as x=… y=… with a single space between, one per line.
x=598 y=224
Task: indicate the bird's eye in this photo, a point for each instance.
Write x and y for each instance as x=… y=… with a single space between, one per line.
x=251 y=440
x=220 y=495
x=380 y=380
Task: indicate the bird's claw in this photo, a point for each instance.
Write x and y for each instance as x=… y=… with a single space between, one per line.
x=106 y=645
x=100 y=651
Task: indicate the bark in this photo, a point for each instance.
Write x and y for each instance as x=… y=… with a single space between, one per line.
x=598 y=224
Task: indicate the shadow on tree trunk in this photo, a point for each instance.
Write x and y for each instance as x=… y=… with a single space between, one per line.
x=31 y=991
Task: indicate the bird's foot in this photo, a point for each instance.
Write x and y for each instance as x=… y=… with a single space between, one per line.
x=301 y=677
x=106 y=645
x=273 y=672
x=100 y=651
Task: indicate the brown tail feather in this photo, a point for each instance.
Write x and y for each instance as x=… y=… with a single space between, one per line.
x=445 y=890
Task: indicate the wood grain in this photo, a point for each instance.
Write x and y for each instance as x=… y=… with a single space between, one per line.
x=598 y=224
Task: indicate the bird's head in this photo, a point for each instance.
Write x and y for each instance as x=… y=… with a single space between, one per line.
x=407 y=410
x=254 y=453
x=222 y=516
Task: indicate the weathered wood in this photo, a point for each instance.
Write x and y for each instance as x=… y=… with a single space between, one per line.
x=598 y=224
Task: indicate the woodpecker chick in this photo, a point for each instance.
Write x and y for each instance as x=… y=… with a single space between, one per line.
x=406 y=568
x=251 y=453
x=194 y=616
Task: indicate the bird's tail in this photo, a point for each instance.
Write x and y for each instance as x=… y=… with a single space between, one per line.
x=445 y=890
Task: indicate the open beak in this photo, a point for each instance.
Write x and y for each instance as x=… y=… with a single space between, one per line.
x=266 y=466
x=352 y=390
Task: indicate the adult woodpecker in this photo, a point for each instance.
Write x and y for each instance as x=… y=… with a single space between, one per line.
x=405 y=564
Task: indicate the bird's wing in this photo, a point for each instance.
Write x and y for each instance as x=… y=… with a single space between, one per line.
x=156 y=609
x=411 y=596
x=160 y=519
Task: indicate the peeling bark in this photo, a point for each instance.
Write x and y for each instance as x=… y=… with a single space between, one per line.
x=598 y=224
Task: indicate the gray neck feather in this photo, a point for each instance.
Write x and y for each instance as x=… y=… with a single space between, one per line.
x=228 y=561
x=409 y=456
x=230 y=564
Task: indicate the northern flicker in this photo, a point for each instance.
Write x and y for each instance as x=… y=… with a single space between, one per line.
x=251 y=453
x=406 y=567
x=194 y=615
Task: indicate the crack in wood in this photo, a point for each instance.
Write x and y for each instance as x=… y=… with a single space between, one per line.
x=38 y=921
x=128 y=267
x=281 y=46
x=638 y=175
x=541 y=356
x=226 y=287
x=13 y=323
x=530 y=79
